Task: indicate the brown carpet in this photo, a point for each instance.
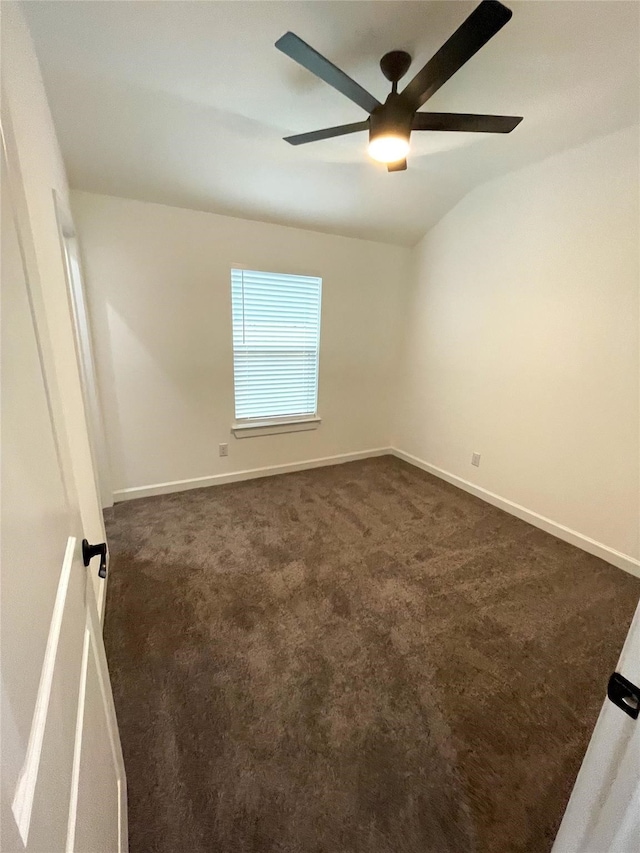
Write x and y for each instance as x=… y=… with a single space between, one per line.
x=356 y=659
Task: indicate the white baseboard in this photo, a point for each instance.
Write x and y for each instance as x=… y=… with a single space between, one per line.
x=610 y=555
x=249 y=474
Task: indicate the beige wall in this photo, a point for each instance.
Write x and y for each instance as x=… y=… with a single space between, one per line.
x=158 y=283
x=521 y=341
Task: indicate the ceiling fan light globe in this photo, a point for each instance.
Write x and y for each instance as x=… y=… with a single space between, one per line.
x=388 y=148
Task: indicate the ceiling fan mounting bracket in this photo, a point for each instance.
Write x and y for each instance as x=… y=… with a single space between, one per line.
x=395 y=64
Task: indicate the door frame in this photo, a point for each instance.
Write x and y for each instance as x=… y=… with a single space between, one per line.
x=84 y=347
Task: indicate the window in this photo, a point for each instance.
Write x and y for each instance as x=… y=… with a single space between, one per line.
x=276 y=335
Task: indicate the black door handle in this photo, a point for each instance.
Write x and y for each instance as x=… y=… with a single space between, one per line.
x=90 y=551
x=624 y=694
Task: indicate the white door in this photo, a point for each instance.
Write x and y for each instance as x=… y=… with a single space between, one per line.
x=63 y=784
x=603 y=814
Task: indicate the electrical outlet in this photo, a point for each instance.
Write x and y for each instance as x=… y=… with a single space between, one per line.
x=475 y=459
x=223 y=449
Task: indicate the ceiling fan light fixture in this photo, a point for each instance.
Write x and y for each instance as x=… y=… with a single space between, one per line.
x=388 y=147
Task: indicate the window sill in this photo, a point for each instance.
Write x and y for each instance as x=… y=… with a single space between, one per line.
x=256 y=428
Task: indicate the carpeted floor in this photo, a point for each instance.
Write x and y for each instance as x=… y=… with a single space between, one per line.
x=356 y=659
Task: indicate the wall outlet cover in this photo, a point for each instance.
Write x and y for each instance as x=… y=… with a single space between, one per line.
x=475 y=459
x=223 y=449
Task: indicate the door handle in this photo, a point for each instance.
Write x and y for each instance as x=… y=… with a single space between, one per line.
x=624 y=694
x=90 y=551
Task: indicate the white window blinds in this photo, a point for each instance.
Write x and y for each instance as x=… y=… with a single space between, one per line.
x=276 y=335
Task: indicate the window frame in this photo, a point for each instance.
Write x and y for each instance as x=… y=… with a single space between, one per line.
x=270 y=425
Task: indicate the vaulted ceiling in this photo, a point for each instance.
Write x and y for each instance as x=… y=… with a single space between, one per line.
x=186 y=103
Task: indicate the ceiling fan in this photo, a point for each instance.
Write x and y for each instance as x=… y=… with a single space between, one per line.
x=390 y=124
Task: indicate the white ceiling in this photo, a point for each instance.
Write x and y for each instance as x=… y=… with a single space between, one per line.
x=185 y=103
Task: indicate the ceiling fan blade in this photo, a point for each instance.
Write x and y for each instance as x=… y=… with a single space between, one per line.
x=327 y=133
x=465 y=122
x=313 y=61
x=481 y=25
x=400 y=166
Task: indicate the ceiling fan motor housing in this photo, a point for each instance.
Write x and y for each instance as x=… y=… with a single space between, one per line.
x=393 y=118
